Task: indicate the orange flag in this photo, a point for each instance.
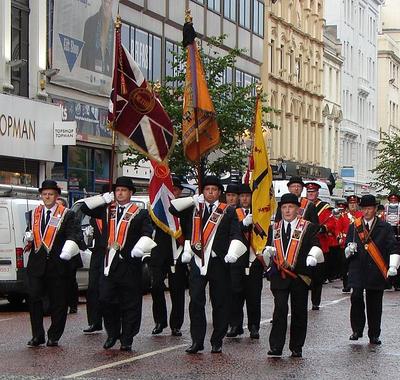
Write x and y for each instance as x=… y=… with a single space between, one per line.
x=197 y=104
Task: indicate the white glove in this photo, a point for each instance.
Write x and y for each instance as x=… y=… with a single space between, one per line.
x=350 y=250
x=28 y=236
x=248 y=220
x=65 y=255
x=267 y=254
x=108 y=197
x=197 y=199
x=392 y=271
x=137 y=252
x=88 y=231
x=394 y=263
x=311 y=261
x=230 y=259
x=187 y=252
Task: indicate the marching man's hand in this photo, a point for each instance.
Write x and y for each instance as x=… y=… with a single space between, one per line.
x=248 y=220
x=108 y=197
x=311 y=261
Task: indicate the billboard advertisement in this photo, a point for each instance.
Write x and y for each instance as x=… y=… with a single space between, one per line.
x=82 y=44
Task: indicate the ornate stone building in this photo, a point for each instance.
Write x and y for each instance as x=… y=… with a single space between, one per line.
x=292 y=74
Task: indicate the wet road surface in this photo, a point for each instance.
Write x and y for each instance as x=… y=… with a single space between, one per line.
x=328 y=353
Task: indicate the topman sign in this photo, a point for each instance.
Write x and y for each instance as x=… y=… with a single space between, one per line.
x=26 y=129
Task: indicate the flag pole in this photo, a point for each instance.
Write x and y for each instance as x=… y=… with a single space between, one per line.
x=117 y=26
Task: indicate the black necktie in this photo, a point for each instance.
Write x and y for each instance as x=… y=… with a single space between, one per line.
x=120 y=212
x=207 y=213
x=287 y=236
x=46 y=222
x=246 y=212
x=367 y=226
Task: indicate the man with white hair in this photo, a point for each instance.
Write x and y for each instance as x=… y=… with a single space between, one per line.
x=292 y=249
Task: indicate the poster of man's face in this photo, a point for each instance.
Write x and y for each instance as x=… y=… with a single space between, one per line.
x=83 y=44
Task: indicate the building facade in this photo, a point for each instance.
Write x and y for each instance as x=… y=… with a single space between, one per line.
x=357 y=29
x=388 y=69
x=59 y=54
x=293 y=73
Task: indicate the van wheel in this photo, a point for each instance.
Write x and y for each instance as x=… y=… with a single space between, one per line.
x=16 y=299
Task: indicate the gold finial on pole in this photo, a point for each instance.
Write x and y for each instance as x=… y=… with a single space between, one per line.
x=118 y=22
x=157 y=87
x=188 y=15
x=259 y=88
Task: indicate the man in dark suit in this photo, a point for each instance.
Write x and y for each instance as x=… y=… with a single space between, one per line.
x=162 y=264
x=52 y=240
x=129 y=238
x=246 y=275
x=213 y=240
x=372 y=251
x=294 y=247
x=307 y=209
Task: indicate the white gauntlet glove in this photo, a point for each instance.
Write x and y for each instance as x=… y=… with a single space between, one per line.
x=311 y=261
x=248 y=220
x=197 y=199
x=137 y=252
x=69 y=250
x=88 y=231
x=108 y=197
x=187 y=253
x=235 y=250
x=314 y=257
x=28 y=236
x=267 y=254
x=394 y=263
x=143 y=246
x=350 y=250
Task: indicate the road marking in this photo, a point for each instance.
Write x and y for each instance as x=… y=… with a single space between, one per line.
x=334 y=302
x=6 y=319
x=120 y=362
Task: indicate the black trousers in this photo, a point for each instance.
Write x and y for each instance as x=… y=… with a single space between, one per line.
x=218 y=278
x=121 y=300
x=374 y=311
x=177 y=283
x=73 y=289
x=298 y=292
x=246 y=288
x=93 y=307
x=344 y=268
x=318 y=278
x=56 y=289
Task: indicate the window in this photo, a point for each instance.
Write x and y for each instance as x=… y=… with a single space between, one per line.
x=20 y=45
x=281 y=57
x=271 y=56
x=214 y=5
x=244 y=13
x=230 y=9
x=258 y=18
x=171 y=50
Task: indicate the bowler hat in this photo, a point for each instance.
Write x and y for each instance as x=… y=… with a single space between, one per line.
x=177 y=182
x=49 y=184
x=124 y=182
x=232 y=188
x=289 y=198
x=214 y=181
x=244 y=188
x=313 y=186
x=368 y=200
x=295 y=179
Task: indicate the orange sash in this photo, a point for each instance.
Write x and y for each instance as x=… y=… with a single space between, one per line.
x=241 y=215
x=208 y=230
x=303 y=206
x=52 y=227
x=99 y=223
x=118 y=232
x=286 y=266
x=371 y=247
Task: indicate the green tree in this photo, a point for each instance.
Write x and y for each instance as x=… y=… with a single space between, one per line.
x=388 y=169
x=234 y=107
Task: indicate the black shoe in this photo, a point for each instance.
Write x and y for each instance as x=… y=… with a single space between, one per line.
x=216 y=349
x=34 y=342
x=254 y=334
x=297 y=354
x=234 y=331
x=126 y=347
x=176 y=332
x=109 y=343
x=275 y=352
x=346 y=290
x=315 y=307
x=195 y=348
x=92 y=329
x=375 y=340
x=52 y=343
x=158 y=329
x=355 y=336
x=73 y=310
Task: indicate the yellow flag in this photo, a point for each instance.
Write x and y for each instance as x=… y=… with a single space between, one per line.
x=263 y=199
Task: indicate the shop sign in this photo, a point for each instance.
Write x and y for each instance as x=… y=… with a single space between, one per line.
x=65 y=133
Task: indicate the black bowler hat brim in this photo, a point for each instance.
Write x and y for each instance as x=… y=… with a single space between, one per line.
x=124 y=182
x=298 y=180
x=368 y=201
x=289 y=198
x=212 y=181
x=49 y=185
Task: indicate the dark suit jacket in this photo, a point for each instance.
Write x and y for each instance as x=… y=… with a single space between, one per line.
x=310 y=239
x=363 y=272
x=139 y=226
x=310 y=214
x=228 y=228
x=37 y=261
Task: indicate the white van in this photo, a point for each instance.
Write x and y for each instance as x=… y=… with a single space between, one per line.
x=280 y=188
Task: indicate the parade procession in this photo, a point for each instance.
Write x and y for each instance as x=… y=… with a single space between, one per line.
x=199 y=189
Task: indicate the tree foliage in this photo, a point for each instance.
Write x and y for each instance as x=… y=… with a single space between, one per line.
x=388 y=169
x=234 y=107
